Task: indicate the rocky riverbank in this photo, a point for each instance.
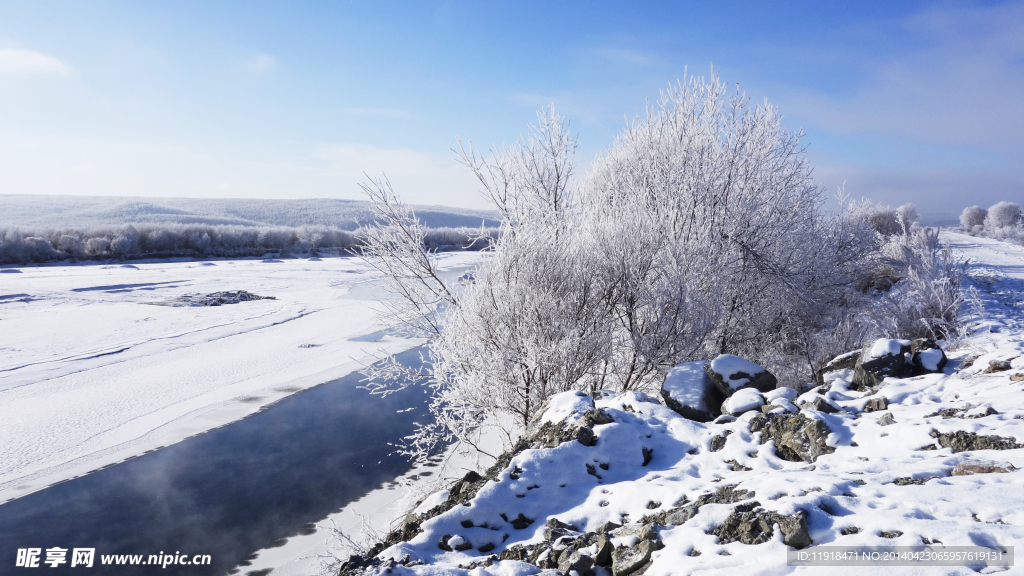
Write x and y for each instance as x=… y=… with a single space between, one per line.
x=896 y=445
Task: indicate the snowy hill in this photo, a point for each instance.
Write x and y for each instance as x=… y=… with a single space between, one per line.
x=622 y=484
x=38 y=212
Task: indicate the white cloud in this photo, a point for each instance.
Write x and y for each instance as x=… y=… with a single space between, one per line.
x=14 y=62
x=260 y=63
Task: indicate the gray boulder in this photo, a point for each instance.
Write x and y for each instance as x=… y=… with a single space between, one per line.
x=576 y=561
x=876 y=404
x=603 y=557
x=972 y=467
x=629 y=560
x=797 y=437
x=961 y=441
x=751 y=524
x=997 y=366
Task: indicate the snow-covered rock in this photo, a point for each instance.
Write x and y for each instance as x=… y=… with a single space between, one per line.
x=744 y=400
x=886 y=358
x=927 y=356
x=815 y=401
x=971 y=467
x=846 y=361
x=883 y=348
x=730 y=373
x=783 y=392
x=689 y=391
x=797 y=438
x=881 y=359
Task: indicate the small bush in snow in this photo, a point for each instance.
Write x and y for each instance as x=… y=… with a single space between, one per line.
x=908 y=215
x=1002 y=215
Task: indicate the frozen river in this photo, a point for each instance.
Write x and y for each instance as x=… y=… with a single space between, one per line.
x=98 y=390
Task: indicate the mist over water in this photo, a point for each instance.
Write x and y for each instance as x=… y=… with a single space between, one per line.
x=227 y=492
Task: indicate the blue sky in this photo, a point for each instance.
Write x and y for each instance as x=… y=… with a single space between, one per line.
x=902 y=101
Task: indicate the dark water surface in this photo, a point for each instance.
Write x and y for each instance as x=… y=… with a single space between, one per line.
x=227 y=492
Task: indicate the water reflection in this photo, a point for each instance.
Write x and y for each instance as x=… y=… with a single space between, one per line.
x=227 y=492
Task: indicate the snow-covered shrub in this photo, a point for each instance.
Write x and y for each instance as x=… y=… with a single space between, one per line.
x=883 y=219
x=908 y=215
x=97 y=245
x=733 y=213
x=71 y=245
x=1002 y=215
x=1001 y=222
x=927 y=300
x=972 y=217
x=123 y=245
x=698 y=233
x=161 y=240
x=38 y=250
x=531 y=325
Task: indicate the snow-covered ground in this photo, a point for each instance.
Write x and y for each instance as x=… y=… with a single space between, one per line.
x=92 y=374
x=888 y=481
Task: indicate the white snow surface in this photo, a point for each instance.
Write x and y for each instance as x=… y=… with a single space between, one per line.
x=853 y=487
x=729 y=366
x=930 y=358
x=785 y=393
x=687 y=383
x=883 y=347
x=91 y=375
x=567 y=407
x=743 y=400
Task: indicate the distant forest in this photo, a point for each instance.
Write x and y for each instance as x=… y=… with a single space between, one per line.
x=36 y=229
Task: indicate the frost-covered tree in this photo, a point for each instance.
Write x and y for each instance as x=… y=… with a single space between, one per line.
x=926 y=298
x=729 y=194
x=699 y=232
x=1002 y=215
x=973 y=216
x=531 y=325
x=908 y=215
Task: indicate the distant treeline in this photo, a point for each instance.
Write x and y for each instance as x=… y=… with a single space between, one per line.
x=133 y=241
